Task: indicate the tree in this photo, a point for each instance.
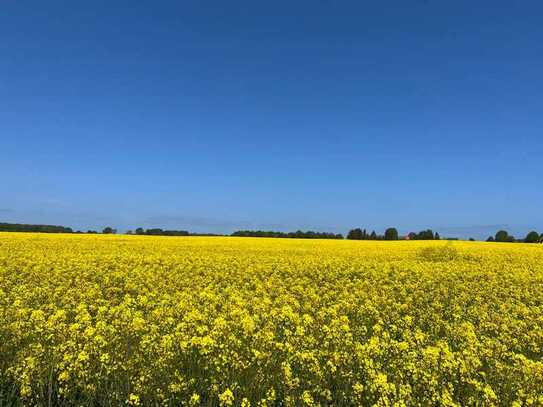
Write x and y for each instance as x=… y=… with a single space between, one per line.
x=437 y=237
x=532 y=237
x=22 y=227
x=428 y=234
x=471 y=239
x=355 y=234
x=373 y=235
x=391 y=234
x=140 y=231
x=425 y=235
x=154 y=232
x=109 y=231
x=502 y=236
x=490 y=239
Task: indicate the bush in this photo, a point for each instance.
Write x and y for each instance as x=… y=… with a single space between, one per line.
x=391 y=234
x=532 y=237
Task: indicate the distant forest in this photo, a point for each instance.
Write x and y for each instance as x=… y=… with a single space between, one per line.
x=160 y=232
x=19 y=227
x=392 y=234
x=354 y=234
x=293 y=235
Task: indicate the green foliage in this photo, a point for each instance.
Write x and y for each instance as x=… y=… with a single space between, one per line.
x=20 y=227
x=355 y=234
x=532 y=237
x=424 y=235
x=293 y=235
x=359 y=234
x=503 y=236
x=391 y=234
x=160 y=232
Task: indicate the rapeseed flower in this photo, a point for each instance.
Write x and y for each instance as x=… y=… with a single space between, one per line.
x=139 y=320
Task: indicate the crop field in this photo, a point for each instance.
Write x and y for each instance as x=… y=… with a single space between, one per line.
x=94 y=320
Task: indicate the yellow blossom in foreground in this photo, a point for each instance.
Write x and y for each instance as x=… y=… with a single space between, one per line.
x=137 y=320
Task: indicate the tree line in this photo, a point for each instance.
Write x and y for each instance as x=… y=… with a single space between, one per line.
x=299 y=234
x=354 y=234
x=160 y=232
x=391 y=234
x=20 y=227
x=503 y=236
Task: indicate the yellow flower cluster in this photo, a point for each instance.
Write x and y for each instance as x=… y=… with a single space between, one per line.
x=93 y=320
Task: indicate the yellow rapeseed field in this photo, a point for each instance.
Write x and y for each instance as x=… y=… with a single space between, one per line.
x=94 y=320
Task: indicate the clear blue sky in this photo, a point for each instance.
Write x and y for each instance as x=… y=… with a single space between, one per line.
x=215 y=115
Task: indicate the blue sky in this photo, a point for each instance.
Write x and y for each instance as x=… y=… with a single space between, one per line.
x=213 y=116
